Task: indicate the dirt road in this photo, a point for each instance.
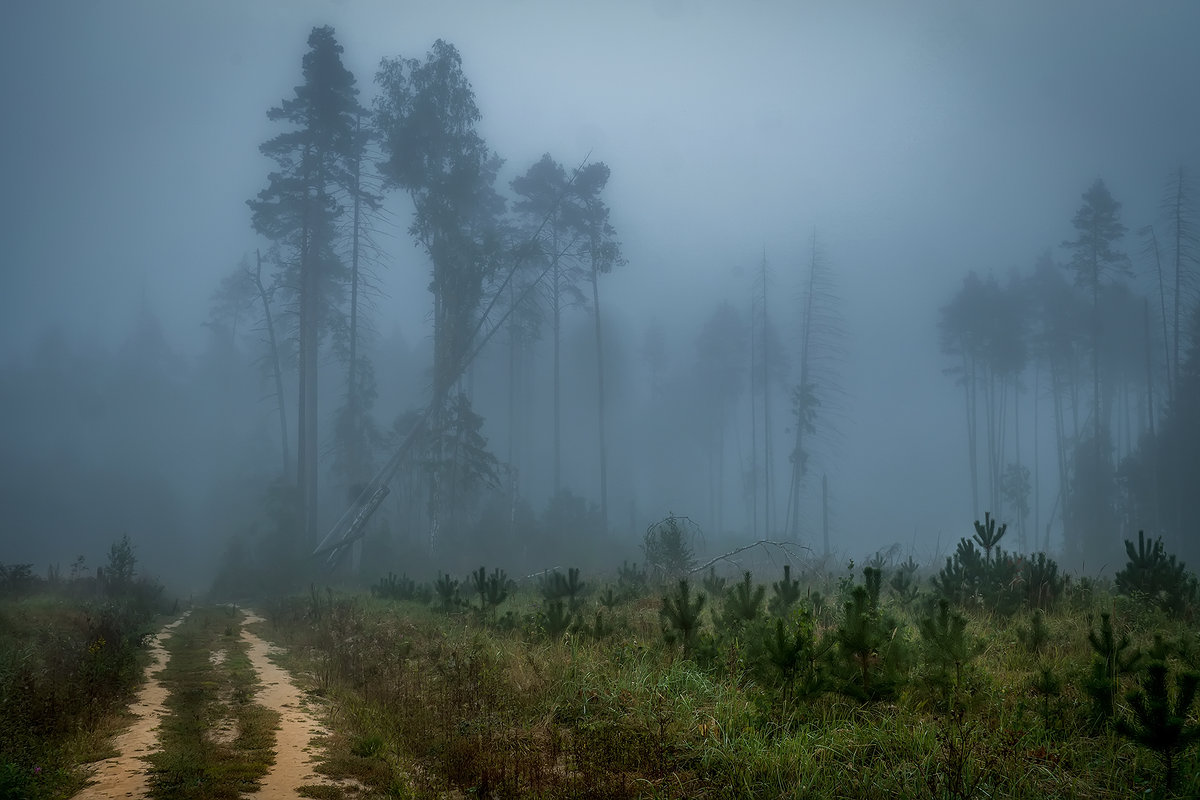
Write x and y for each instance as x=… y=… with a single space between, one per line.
x=294 y=760
x=124 y=776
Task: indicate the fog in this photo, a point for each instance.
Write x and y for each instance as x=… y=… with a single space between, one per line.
x=917 y=143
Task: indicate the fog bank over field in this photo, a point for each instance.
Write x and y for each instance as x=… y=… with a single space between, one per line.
x=862 y=270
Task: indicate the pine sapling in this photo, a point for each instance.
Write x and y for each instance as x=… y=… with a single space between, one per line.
x=680 y=615
x=446 y=589
x=556 y=619
x=947 y=651
x=714 y=584
x=1035 y=636
x=742 y=604
x=1157 y=722
x=1112 y=658
x=988 y=535
x=784 y=594
x=610 y=599
x=1047 y=686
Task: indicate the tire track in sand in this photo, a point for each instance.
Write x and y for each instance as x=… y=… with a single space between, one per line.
x=294 y=761
x=124 y=775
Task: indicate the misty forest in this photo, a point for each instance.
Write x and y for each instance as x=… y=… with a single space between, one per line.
x=650 y=400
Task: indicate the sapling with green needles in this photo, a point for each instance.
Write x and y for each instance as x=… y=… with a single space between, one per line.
x=1035 y=636
x=492 y=589
x=556 y=586
x=1150 y=572
x=610 y=599
x=446 y=589
x=784 y=593
x=947 y=651
x=742 y=604
x=1161 y=722
x=868 y=643
x=556 y=619
x=988 y=535
x=904 y=583
x=1047 y=686
x=714 y=584
x=1112 y=657
x=680 y=615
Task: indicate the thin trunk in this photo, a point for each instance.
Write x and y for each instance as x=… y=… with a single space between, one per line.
x=354 y=446
x=512 y=378
x=600 y=404
x=1021 y=513
x=1162 y=305
x=556 y=305
x=1037 y=464
x=276 y=367
x=766 y=389
x=356 y=469
x=971 y=387
x=753 y=477
x=793 y=518
x=1060 y=438
x=825 y=511
x=721 y=477
x=1179 y=235
x=1152 y=457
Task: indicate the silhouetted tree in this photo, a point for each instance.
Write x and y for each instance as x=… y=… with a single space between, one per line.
x=426 y=117
x=555 y=243
x=299 y=210
x=1094 y=257
x=720 y=378
x=603 y=253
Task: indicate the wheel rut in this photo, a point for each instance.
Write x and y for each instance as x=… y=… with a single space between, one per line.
x=125 y=776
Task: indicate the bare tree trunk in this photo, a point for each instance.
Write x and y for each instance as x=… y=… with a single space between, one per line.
x=766 y=390
x=276 y=367
x=1037 y=464
x=753 y=477
x=600 y=409
x=825 y=511
x=556 y=305
x=1179 y=240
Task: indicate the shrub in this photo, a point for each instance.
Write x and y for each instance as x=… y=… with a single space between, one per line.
x=1151 y=572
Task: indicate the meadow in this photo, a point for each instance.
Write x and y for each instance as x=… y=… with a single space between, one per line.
x=994 y=676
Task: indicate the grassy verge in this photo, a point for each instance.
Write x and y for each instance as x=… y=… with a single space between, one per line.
x=429 y=703
x=70 y=661
x=215 y=742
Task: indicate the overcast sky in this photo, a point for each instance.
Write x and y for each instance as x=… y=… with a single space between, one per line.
x=919 y=139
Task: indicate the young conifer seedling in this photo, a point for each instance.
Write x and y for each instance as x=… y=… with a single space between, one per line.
x=1160 y=722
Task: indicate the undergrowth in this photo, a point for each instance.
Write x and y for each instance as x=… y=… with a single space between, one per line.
x=878 y=688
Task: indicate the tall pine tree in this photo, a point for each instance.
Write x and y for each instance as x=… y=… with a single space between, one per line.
x=300 y=211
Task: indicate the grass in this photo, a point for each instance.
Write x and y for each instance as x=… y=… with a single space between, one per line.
x=430 y=703
x=215 y=742
x=70 y=659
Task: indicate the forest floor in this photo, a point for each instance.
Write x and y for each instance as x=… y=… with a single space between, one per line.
x=216 y=717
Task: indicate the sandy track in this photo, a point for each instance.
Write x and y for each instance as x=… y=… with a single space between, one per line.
x=124 y=775
x=294 y=760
